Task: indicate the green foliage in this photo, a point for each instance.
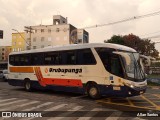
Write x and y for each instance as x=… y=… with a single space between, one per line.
x=143 y=46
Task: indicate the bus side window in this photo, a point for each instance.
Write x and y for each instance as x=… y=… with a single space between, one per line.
x=68 y=57
x=86 y=57
x=37 y=59
x=22 y=60
x=51 y=58
x=11 y=60
x=26 y=59
x=17 y=60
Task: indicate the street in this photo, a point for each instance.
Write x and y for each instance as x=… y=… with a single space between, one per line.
x=62 y=106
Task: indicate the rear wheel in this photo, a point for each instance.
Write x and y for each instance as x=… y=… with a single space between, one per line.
x=27 y=85
x=93 y=92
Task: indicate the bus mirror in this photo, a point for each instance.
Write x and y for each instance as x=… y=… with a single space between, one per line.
x=126 y=56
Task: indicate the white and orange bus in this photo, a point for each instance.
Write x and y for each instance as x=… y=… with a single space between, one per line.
x=96 y=69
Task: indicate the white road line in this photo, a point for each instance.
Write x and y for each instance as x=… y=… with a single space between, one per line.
x=17 y=106
x=39 y=106
x=65 y=114
x=114 y=116
x=4 y=100
x=52 y=109
x=89 y=114
x=56 y=107
x=9 y=103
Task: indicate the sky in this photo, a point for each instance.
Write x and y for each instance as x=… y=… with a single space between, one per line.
x=15 y=14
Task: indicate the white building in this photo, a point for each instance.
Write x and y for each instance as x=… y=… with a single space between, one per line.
x=60 y=33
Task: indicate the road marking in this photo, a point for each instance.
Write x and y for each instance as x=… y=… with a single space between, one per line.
x=65 y=114
x=114 y=116
x=17 y=106
x=50 y=109
x=140 y=107
x=89 y=114
x=157 y=95
x=152 y=103
x=33 y=108
x=39 y=106
x=56 y=107
x=13 y=102
x=4 y=100
x=130 y=102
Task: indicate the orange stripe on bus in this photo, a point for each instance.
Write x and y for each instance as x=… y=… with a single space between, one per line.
x=39 y=76
x=56 y=81
x=21 y=69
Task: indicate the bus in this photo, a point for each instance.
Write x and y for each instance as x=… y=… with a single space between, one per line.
x=95 y=69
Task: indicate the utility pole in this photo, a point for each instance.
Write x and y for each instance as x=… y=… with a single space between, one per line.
x=29 y=29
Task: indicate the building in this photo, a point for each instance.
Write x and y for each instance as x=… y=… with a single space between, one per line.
x=18 y=41
x=4 y=52
x=59 y=33
x=82 y=36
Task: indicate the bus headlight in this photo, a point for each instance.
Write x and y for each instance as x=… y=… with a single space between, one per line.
x=132 y=85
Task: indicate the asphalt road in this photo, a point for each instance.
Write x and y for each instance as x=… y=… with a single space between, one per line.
x=61 y=105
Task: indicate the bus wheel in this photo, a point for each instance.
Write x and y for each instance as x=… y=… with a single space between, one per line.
x=93 y=92
x=27 y=85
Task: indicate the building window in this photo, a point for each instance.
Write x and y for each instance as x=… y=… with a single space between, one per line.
x=49 y=39
x=2 y=53
x=28 y=47
x=34 y=47
x=34 y=39
x=14 y=37
x=14 y=43
x=65 y=38
x=49 y=30
x=2 y=58
x=42 y=30
x=19 y=43
x=42 y=39
x=57 y=30
x=2 y=49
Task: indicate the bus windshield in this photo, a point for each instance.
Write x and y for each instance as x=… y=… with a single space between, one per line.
x=132 y=65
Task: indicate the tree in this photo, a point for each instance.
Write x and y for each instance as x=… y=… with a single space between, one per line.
x=143 y=46
x=116 y=39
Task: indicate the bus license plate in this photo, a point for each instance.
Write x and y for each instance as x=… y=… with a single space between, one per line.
x=116 y=88
x=141 y=92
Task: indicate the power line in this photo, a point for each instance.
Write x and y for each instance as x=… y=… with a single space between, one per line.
x=156 y=36
x=150 y=33
x=125 y=20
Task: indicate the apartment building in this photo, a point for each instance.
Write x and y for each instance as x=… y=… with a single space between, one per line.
x=59 y=33
x=18 y=41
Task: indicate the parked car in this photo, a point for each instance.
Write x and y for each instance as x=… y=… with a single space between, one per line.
x=1 y=74
x=4 y=74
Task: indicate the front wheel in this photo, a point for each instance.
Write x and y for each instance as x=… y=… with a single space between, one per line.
x=27 y=85
x=93 y=92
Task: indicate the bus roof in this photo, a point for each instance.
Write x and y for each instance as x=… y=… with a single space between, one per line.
x=78 y=46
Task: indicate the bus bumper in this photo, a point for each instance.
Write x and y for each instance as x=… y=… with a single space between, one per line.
x=122 y=91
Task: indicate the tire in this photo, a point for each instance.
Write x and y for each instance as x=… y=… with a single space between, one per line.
x=93 y=92
x=27 y=86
